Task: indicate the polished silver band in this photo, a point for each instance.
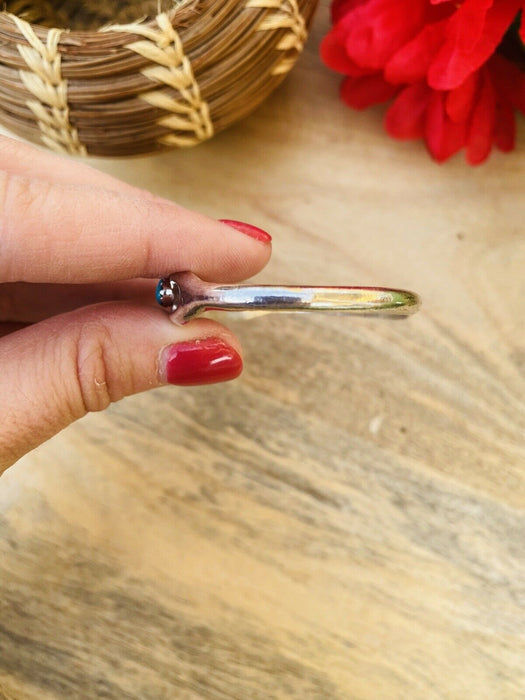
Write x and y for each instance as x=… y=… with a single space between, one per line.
x=185 y=296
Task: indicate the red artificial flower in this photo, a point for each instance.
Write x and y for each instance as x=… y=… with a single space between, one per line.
x=454 y=68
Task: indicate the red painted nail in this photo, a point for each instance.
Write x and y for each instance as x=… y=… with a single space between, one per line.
x=201 y=361
x=248 y=229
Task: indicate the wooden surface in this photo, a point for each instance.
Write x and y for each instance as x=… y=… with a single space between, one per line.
x=347 y=520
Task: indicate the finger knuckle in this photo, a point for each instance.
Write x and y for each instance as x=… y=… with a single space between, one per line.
x=94 y=367
x=19 y=194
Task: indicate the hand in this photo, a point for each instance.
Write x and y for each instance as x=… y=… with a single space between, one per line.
x=80 y=253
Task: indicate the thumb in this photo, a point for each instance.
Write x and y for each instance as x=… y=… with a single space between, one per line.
x=56 y=371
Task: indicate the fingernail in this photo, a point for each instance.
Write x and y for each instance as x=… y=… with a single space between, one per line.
x=248 y=229
x=201 y=361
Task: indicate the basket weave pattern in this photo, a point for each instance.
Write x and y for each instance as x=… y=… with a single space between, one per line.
x=84 y=83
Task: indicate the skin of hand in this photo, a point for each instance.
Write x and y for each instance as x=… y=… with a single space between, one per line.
x=80 y=254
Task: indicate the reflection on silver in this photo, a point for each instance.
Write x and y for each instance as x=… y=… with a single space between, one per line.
x=185 y=296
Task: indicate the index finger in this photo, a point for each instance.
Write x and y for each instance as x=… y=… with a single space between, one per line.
x=53 y=232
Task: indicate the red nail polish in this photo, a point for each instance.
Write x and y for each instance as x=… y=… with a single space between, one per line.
x=201 y=361
x=248 y=229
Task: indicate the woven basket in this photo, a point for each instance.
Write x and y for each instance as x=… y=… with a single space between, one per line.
x=130 y=77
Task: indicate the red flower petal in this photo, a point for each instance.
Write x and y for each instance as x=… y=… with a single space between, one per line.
x=443 y=136
x=378 y=28
x=483 y=121
x=467 y=24
x=413 y=60
x=460 y=101
x=361 y=93
x=333 y=53
x=455 y=62
x=341 y=7
x=405 y=119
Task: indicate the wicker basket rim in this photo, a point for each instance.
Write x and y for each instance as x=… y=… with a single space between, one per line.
x=73 y=35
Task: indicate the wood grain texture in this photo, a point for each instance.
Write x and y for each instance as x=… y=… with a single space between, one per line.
x=347 y=520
